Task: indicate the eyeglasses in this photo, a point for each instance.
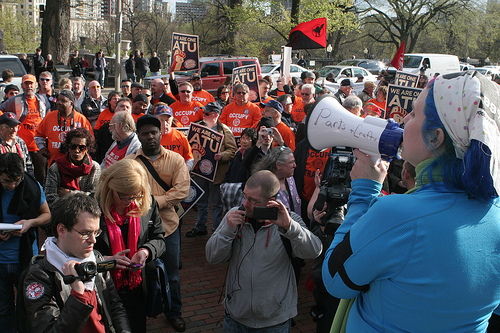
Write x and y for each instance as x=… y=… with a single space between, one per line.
x=86 y=235
x=287 y=104
x=148 y=95
x=122 y=197
x=186 y=91
x=9 y=181
x=251 y=200
x=73 y=146
x=125 y=86
x=165 y=84
x=224 y=92
x=305 y=94
x=207 y=113
x=241 y=93
x=45 y=79
x=244 y=138
x=94 y=87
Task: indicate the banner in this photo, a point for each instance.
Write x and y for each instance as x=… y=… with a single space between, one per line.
x=205 y=143
x=406 y=79
x=248 y=76
x=195 y=194
x=286 y=61
x=185 y=52
x=308 y=35
x=399 y=57
x=400 y=102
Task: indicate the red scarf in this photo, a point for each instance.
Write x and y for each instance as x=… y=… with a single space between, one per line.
x=71 y=172
x=122 y=277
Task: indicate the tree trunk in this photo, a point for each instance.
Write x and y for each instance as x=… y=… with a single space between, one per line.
x=56 y=30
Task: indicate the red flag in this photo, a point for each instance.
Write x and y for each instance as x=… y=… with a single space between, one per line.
x=399 y=57
x=308 y=35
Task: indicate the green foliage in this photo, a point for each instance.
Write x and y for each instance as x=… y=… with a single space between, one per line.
x=19 y=33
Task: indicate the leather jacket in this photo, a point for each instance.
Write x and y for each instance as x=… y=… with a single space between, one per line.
x=51 y=308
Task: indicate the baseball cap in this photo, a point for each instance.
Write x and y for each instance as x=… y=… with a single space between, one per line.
x=372 y=107
x=369 y=84
x=345 y=83
x=137 y=85
x=146 y=120
x=266 y=121
x=141 y=98
x=212 y=107
x=9 y=119
x=29 y=78
x=164 y=110
x=10 y=87
x=195 y=76
x=274 y=104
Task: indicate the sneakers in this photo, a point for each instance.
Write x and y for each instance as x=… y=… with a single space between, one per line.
x=195 y=232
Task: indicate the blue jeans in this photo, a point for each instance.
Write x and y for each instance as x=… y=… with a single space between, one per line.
x=211 y=191
x=131 y=77
x=155 y=74
x=99 y=77
x=232 y=326
x=9 y=278
x=171 y=259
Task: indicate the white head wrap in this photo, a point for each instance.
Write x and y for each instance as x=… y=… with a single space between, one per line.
x=468 y=104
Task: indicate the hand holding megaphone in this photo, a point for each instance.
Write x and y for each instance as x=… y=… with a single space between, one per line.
x=329 y=124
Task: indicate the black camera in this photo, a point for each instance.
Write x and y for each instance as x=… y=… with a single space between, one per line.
x=87 y=270
x=335 y=187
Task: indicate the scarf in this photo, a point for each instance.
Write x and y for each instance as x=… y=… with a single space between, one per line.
x=123 y=277
x=70 y=172
x=422 y=177
x=57 y=258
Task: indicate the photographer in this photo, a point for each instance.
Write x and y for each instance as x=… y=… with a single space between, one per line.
x=91 y=305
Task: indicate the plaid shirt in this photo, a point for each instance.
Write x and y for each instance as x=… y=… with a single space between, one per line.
x=23 y=151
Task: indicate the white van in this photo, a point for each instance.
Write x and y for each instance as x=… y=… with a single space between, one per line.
x=434 y=63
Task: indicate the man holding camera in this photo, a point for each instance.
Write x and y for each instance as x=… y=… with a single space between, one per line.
x=88 y=304
x=261 y=290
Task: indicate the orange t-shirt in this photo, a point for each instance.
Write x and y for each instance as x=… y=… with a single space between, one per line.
x=298 y=113
x=49 y=129
x=137 y=116
x=287 y=135
x=178 y=142
x=377 y=103
x=29 y=125
x=203 y=96
x=315 y=160
x=187 y=114
x=237 y=118
x=104 y=117
x=297 y=100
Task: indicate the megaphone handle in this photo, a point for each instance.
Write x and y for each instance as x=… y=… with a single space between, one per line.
x=375 y=158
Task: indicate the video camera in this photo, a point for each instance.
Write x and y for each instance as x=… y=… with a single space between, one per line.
x=87 y=270
x=335 y=187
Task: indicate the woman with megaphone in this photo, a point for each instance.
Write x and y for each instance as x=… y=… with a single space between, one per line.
x=427 y=260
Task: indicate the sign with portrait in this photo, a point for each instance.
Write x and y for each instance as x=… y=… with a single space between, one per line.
x=248 y=76
x=205 y=144
x=185 y=52
x=400 y=102
x=195 y=194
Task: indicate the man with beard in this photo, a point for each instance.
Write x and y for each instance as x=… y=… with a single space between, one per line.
x=187 y=110
x=30 y=108
x=172 y=170
x=307 y=93
x=45 y=83
x=241 y=113
x=158 y=92
x=199 y=94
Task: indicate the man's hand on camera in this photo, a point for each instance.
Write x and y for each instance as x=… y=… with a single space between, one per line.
x=284 y=218
x=69 y=269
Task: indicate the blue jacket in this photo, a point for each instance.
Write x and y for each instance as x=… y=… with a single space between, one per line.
x=426 y=261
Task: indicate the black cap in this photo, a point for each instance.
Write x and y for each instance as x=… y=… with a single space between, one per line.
x=137 y=85
x=148 y=119
x=345 y=83
x=9 y=119
x=141 y=98
x=195 y=76
x=266 y=121
x=10 y=87
x=213 y=107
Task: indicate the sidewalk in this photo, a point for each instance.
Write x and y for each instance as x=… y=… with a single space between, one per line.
x=202 y=285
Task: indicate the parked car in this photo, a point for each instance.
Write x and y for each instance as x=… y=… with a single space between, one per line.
x=487 y=71
x=342 y=72
x=371 y=65
x=465 y=66
x=274 y=71
x=14 y=64
x=213 y=71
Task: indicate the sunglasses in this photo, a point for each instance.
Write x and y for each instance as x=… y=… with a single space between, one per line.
x=44 y=79
x=305 y=94
x=224 y=92
x=94 y=87
x=208 y=113
x=73 y=146
x=186 y=91
x=241 y=93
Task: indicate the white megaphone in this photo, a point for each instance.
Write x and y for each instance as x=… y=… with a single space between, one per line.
x=329 y=124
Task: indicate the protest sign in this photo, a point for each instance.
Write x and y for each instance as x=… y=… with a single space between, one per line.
x=185 y=52
x=248 y=76
x=205 y=143
x=195 y=194
x=286 y=60
x=400 y=102
x=406 y=79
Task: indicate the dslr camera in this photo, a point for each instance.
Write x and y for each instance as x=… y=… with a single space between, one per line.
x=335 y=187
x=87 y=270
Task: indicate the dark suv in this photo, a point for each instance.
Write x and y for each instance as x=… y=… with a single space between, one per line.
x=214 y=70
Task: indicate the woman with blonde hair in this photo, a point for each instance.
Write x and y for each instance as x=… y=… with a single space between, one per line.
x=127 y=236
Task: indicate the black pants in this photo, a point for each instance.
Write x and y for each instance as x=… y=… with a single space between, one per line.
x=135 y=304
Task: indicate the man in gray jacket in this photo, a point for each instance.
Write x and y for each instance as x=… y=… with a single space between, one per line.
x=261 y=290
